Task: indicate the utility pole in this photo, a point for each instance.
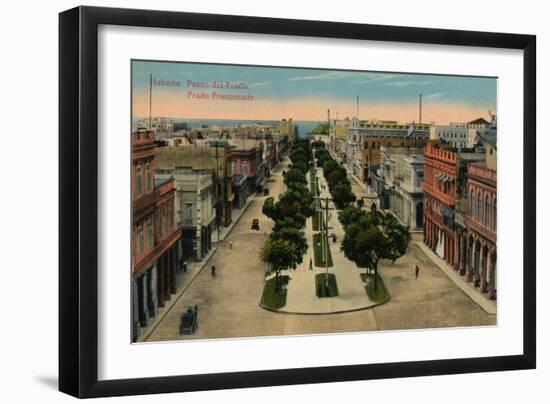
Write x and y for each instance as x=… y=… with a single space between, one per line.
x=324 y=231
x=218 y=207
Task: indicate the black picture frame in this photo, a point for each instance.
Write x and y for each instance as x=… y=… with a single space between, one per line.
x=78 y=201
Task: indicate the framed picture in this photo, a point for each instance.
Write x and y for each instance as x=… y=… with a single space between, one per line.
x=251 y=201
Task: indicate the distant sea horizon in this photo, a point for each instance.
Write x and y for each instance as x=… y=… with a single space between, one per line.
x=304 y=127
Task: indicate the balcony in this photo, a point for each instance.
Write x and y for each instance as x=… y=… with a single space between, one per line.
x=482 y=172
x=446 y=199
x=481 y=229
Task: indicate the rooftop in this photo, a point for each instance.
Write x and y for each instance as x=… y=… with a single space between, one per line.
x=478 y=121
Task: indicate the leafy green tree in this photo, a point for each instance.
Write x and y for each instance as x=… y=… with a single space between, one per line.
x=295 y=236
x=342 y=195
x=318 y=144
x=322 y=155
x=280 y=255
x=300 y=165
x=297 y=222
x=296 y=200
x=321 y=129
x=375 y=236
x=271 y=210
x=336 y=176
x=349 y=215
x=329 y=166
x=294 y=176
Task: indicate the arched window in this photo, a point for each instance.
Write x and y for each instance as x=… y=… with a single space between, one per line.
x=487 y=211
x=472 y=204
x=148 y=176
x=479 y=208
x=139 y=180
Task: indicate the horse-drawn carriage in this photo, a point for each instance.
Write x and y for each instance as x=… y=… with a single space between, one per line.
x=189 y=321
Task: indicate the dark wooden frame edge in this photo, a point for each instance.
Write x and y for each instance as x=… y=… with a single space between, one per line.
x=78 y=168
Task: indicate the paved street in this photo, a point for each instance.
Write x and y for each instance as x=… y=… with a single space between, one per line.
x=228 y=304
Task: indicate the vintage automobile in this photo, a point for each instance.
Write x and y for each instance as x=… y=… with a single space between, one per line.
x=189 y=321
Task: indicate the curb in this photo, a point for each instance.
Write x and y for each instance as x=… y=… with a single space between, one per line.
x=371 y=306
x=324 y=313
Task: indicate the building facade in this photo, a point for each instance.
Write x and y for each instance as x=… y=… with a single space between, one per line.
x=481 y=221
x=457 y=135
x=463 y=135
x=154 y=234
x=366 y=137
x=195 y=209
x=247 y=161
x=440 y=191
x=214 y=156
x=403 y=172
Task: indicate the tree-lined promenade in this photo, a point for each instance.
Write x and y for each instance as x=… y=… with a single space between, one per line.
x=286 y=245
x=229 y=304
x=318 y=219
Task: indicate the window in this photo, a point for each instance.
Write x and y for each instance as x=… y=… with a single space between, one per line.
x=479 y=208
x=244 y=167
x=495 y=215
x=148 y=176
x=189 y=211
x=150 y=237
x=140 y=239
x=487 y=211
x=139 y=180
x=472 y=204
x=233 y=167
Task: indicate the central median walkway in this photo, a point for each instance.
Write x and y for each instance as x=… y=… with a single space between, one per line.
x=301 y=296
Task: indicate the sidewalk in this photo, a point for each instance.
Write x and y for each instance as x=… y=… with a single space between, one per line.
x=235 y=216
x=489 y=306
x=183 y=280
x=237 y=213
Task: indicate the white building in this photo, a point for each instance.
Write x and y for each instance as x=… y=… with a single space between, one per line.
x=390 y=133
x=194 y=208
x=460 y=135
x=403 y=172
x=457 y=134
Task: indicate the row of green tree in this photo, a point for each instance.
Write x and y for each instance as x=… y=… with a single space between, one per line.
x=287 y=243
x=336 y=176
x=370 y=236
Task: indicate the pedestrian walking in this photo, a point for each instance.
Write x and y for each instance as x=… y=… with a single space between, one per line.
x=213 y=271
x=184 y=266
x=310 y=264
x=230 y=244
x=416 y=271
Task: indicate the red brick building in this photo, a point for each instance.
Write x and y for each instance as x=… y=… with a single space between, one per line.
x=481 y=221
x=247 y=162
x=154 y=234
x=440 y=192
